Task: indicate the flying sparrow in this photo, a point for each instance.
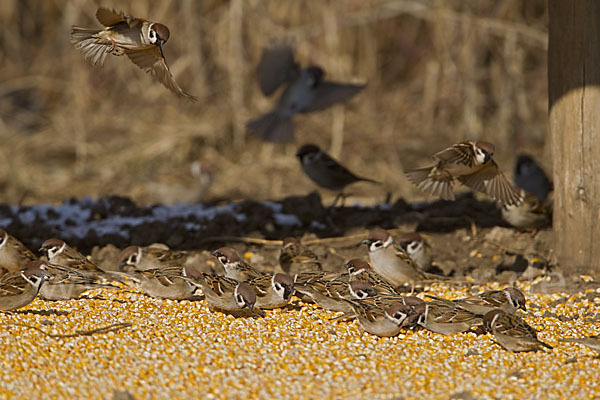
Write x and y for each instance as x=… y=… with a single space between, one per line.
x=235 y=267
x=530 y=177
x=512 y=332
x=360 y=270
x=296 y=257
x=443 y=318
x=155 y=256
x=226 y=294
x=530 y=215
x=508 y=300
x=14 y=255
x=417 y=248
x=163 y=283
x=60 y=253
x=17 y=289
x=324 y=170
x=380 y=321
x=272 y=291
x=472 y=165
x=306 y=91
x=139 y=39
x=593 y=342
x=65 y=283
x=391 y=261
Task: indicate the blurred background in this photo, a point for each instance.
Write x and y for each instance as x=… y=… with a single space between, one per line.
x=438 y=72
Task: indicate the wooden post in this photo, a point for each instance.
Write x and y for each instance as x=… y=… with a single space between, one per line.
x=574 y=101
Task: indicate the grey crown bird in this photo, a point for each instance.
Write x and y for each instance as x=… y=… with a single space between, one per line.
x=141 y=40
x=306 y=91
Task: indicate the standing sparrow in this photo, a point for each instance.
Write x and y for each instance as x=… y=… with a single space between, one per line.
x=296 y=257
x=593 y=342
x=14 y=255
x=530 y=177
x=380 y=321
x=332 y=294
x=360 y=270
x=512 y=332
x=417 y=248
x=163 y=283
x=151 y=257
x=472 y=165
x=306 y=91
x=139 y=39
x=530 y=215
x=235 y=267
x=272 y=291
x=391 y=261
x=324 y=170
x=508 y=300
x=17 y=289
x=226 y=294
x=446 y=319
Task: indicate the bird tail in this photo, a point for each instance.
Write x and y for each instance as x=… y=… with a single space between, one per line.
x=438 y=186
x=85 y=40
x=272 y=127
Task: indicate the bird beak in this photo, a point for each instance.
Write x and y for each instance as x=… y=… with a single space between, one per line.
x=287 y=292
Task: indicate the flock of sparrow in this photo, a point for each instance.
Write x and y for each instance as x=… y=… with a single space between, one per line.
x=372 y=292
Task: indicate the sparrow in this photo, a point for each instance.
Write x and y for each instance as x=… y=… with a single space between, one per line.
x=65 y=283
x=472 y=165
x=272 y=291
x=417 y=248
x=155 y=256
x=331 y=294
x=445 y=319
x=530 y=177
x=381 y=321
x=323 y=170
x=141 y=40
x=17 y=289
x=391 y=261
x=360 y=270
x=530 y=215
x=296 y=257
x=58 y=252
x=508 y=300
x=163 y=283
x=235 y=267
x=14 y=255
x=593 y=342
x=306 y=91
x=512 y=332
x=227 y=294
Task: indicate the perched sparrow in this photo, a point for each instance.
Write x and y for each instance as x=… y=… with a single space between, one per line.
x=235 y=267
x=332 y=294
x=380 y=321
x=472 y=165
x=360 y=270
x=295 y=257
x=141 y=40
x=508 y=300
x=17 y=289
x=531 y=214
x=445 y=319
x=391 y=261
x=512 y=332
x=151 y=257
x=163 y=283
x=306 y=91
x=417 y=248
x=272 y=291
x=14 y=255
x=65 y=283
x=226 y=294
x=593 y=342
x=530 y=177
x=59 y=253
x=324 y=170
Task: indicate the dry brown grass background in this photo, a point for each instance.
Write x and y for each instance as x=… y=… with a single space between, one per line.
x=438 y=72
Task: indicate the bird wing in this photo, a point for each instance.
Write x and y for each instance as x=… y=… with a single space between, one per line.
x=111 y=17
x=460 y=153
x=151 y=60
x=276 y=66
x=491 y=181
x=329 y=93
x=12 y=284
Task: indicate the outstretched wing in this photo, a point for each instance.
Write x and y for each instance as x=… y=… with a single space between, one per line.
x=491 y=181
x=276 y=66
x=329 y=93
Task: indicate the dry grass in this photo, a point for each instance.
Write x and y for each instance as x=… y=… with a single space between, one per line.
x=437 y=72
